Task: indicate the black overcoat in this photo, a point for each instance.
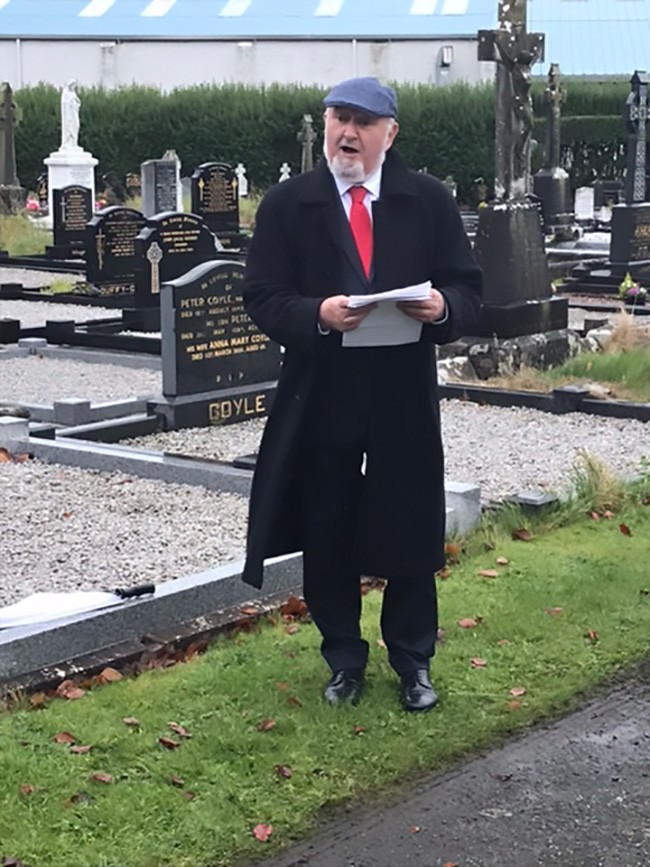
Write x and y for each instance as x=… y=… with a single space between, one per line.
x=294 y=262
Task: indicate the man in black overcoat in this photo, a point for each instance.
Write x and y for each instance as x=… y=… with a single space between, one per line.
x=350 y=469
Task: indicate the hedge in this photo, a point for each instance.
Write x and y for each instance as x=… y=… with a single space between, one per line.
x=448 y=130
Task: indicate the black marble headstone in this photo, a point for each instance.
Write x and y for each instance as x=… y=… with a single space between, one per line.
x=111 y=258
x=160 y=181
x=630 y=243
x=73 y=209
x=217 y=366
x=170 y=245
x=215 y=197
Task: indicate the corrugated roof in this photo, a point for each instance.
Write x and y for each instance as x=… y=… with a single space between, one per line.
x=586 y=37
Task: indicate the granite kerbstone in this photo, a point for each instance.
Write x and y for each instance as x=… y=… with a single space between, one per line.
x=465 y=501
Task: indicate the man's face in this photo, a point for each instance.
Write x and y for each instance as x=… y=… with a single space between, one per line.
x=356 y=142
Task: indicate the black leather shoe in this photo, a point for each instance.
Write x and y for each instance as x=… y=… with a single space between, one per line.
x=417 y=691
x=345 y=686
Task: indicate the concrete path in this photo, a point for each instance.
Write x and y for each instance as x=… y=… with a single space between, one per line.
x=575 y=793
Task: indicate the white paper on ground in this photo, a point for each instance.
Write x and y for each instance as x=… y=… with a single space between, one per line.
x=41 y=607
x=387 y=325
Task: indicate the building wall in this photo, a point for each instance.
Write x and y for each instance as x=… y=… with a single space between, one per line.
x=169 y=64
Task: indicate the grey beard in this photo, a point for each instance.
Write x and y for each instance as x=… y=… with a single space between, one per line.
x=351 y=173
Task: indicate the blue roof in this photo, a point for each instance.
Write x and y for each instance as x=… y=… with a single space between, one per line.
x=586 y=37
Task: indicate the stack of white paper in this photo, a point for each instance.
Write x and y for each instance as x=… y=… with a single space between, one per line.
x=386 y=325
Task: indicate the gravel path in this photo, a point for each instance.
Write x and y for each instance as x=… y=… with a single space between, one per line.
x=33 y=379
x=32 y=278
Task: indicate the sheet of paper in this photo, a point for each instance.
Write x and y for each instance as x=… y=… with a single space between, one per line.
x=418 y=292
x=386 y=325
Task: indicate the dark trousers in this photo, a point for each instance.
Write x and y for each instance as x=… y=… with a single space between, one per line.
x=333 y=488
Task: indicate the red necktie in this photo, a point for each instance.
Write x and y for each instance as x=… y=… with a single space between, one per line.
x=361 y=226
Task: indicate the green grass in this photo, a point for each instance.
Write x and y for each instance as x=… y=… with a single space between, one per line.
x=589 y=569
x=20 y=237
x=630 y=368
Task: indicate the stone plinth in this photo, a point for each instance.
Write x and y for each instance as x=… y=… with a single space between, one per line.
x=68 y=166
x=517 y=296
x=553 y=188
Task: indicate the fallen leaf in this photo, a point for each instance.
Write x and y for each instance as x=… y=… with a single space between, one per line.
x=625 y=530
x=359 y=730
x=467 y=623
x=502 y=561
x=130 y=721
x=291 y=628
x=522 y=535
x=168 y=743
x=284 y=771
x=188 y=796
x=608 y=515
x=513 y=705
x=554 y=612
x=592 y=635
x=518 y=691
x=12 y=862
x=262 y=832
x=594 y=516
x=249 y=610
x=266 y=725
x=101 y=777
x=477 y=662
x=67 y=515
x=452 y=550
x=415 y=829
x=5 y=457
x=179 y=729
x=450 y=864
x=26 y=789
x=294 y=607
x=68 y=690
x=22 y=457
x=444 y=573
x=177 y=781
x=64 y=738
x=488 y=573
x=503 y=642
x=109 y=675
x=441 y=636
x=294 y=701
x=381 y=643
x=195 y=648
x=78 y=798
x=37 y=700
x=81 y=749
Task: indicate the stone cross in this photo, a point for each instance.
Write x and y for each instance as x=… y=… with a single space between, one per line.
x=285 y=171
x=155 y=256
x=515 y=51
x=554 y=97
x=307 y=137
x=10 y=116
x=636 y=118
x=240 y=171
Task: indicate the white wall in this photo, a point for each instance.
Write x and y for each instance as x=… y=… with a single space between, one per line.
x=166 y=65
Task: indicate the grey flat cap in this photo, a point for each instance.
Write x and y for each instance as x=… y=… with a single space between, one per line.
x=365 y=94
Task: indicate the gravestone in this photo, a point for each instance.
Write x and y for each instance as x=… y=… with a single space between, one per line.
x=111 y=258
x=215 y=199
x=73 y=210
x=168 y=246
x=242 y=180
x=285 y=172
x=160 y=186
x=12 y=195
x=584 y=204
x=509 y=244
x=551 y=183
x=630 y=245
x=217 y=366
x=42 y=192
x=306 y=136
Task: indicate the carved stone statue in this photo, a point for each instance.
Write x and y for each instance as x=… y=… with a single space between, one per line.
x=70 y=116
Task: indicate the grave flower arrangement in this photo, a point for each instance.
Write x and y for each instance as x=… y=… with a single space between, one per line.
x=632 y=292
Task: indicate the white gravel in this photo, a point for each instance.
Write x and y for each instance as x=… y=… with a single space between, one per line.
x=36 y=379
x=32 y=278
x=66 y=528
x=34 y=314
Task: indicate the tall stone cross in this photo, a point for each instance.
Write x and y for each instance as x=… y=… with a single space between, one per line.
x=515 y=51
x=10 y=116
x=636 y=118
x=554 y=97
x=306 y=136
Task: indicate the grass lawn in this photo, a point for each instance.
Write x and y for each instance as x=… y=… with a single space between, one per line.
x=569 y=608
x=20 y=237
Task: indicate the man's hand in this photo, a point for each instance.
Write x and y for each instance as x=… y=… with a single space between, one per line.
x=335 y=314
x=428 y=311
